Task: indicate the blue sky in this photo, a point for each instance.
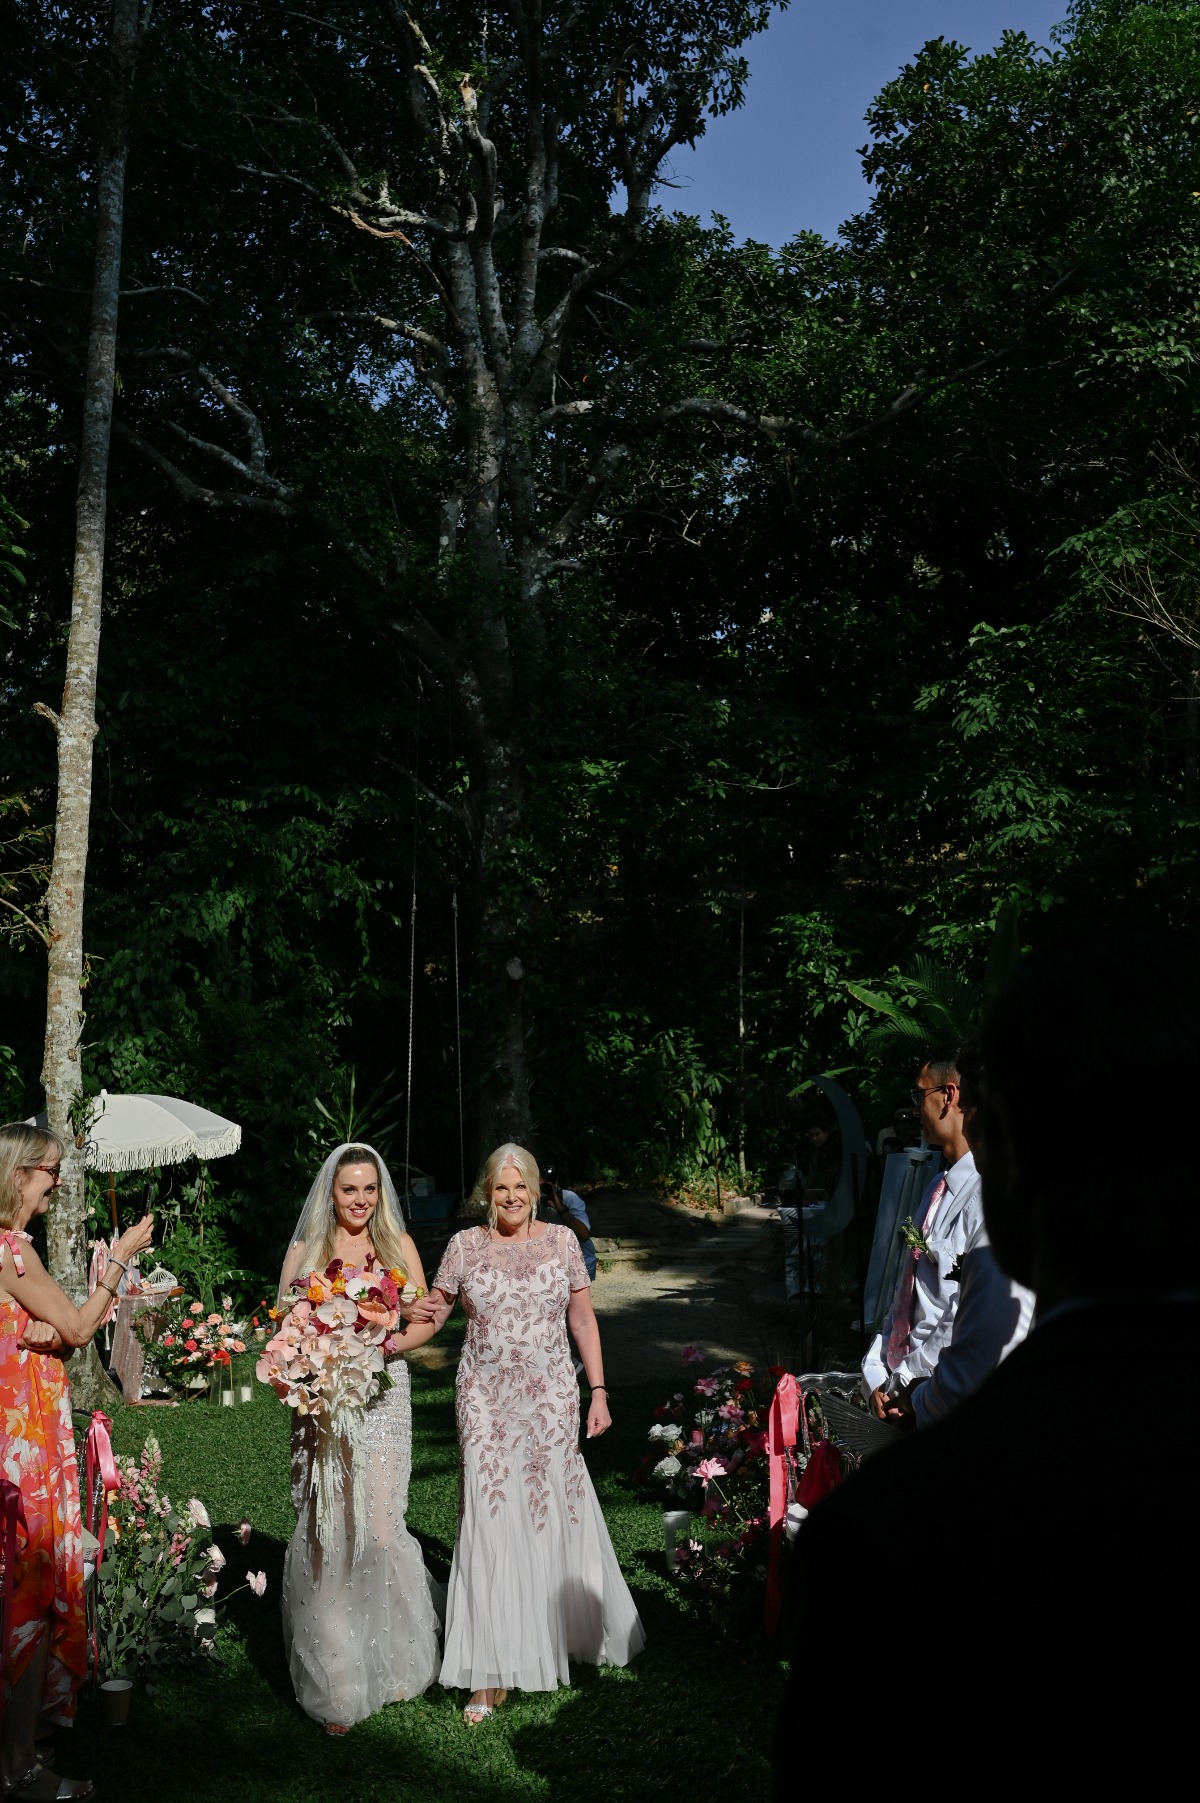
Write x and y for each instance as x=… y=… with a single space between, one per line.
x=786 y=162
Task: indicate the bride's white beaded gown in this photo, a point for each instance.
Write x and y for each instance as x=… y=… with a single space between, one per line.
x=361 y=1631
x=535 y=1582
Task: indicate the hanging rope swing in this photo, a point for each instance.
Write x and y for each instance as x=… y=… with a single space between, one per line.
x=412 y=968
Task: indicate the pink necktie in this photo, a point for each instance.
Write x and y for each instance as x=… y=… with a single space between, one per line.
x=898 y=1339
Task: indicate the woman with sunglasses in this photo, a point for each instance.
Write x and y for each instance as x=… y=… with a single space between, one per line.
x=46 y=1658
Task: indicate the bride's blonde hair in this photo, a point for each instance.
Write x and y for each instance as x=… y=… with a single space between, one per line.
x=383 y=1230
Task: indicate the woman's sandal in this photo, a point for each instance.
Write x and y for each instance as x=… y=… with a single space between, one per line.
x=42 y=1785
x=336 y=1728
x=474 y=1713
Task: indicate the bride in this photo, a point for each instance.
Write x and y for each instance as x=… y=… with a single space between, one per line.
x=358 y=1618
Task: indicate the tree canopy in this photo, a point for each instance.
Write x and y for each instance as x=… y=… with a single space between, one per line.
x=684 y=614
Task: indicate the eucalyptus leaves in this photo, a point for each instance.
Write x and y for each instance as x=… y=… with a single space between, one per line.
x=155 y=1596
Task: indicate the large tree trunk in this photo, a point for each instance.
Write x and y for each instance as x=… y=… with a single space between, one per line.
x=503 y=888
x=75 y=724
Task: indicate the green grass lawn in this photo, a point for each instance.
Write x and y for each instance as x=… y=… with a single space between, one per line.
x=692 y=1715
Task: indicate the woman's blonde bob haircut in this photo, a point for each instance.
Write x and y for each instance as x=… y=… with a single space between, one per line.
x=21 y=1147
x=526 y=1164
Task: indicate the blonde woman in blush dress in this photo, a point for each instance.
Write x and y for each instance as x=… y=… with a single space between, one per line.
x=358 y=1614
x=535 y=1582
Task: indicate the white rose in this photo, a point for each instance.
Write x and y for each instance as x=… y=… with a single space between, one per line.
x=668 y=1467
x=198 y=1513
x=206 y=1618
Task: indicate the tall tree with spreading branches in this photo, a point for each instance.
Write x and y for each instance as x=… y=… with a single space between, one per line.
x=74 y=723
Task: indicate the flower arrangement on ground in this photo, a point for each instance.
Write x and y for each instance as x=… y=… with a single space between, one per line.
x=155 y=1596
x=184 y=1340
x=326 y=1357
x=708 y=1453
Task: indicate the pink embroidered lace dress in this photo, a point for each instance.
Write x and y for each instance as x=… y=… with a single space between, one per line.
x=535 y=1582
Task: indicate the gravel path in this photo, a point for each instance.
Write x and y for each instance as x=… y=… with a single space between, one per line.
x=671 y=1277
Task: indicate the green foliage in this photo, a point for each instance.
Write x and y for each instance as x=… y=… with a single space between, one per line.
x=206 y=1263
x=850 y=699
x=927 y=1006
x=11 y=1087
x=150 y=1601
x=11 y=555
x=343 y=1119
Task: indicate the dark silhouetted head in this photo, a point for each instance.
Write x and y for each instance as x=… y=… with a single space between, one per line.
x=1091 y=1067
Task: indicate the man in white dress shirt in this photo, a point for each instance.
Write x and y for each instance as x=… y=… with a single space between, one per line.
x=993 y=1313
x=954 y=1313
x=920 y=1320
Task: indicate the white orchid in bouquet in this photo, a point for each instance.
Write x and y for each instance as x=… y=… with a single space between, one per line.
x=327 y=1362
x=327 y=1357
x=156 y=1586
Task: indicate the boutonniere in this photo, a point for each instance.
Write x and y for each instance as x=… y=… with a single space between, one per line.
x=913 y=1236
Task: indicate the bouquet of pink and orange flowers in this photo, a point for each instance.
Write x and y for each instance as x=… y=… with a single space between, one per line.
x=327 y=1353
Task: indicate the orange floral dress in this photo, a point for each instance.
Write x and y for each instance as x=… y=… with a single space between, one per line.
x=37 y=1453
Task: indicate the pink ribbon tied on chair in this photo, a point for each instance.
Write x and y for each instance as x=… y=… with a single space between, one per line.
x=99 y=1463
x=12 y=1516
x=783 y=1425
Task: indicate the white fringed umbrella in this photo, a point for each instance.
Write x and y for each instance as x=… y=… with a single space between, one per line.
x=133 y=1133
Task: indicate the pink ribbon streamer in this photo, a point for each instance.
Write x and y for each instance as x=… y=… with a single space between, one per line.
x=98 y=1462
x=96 y=1270
x=12 y=1516
x=783 y=1424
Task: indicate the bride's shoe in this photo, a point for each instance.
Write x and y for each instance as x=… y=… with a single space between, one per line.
x=478 y=1711
x=336 y=1728
x=42 y=1785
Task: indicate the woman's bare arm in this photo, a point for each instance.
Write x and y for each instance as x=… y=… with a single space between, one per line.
x=39 y=1295
x=585 y=1331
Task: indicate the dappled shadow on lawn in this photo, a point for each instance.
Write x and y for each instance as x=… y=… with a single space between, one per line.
x=221 y=1739
x=694 y=1711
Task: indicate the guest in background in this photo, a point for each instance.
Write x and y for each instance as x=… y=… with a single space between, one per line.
x=920 y=1321
x=902 y=1133
x=994 y=1313
x=47 y=1657
x=571 y=1211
